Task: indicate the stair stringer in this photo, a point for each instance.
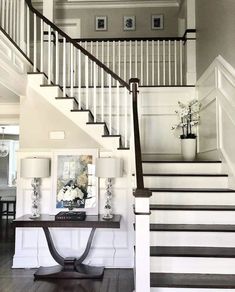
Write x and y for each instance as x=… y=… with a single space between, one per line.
x=50 y=92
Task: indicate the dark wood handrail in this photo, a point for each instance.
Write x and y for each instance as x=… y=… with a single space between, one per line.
x=140 y=190
x=84 y=51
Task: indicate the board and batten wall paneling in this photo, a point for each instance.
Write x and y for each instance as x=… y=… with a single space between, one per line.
x=216 y=92
x=157 y=115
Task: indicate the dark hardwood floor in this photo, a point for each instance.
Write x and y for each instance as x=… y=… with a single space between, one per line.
x=22 y=280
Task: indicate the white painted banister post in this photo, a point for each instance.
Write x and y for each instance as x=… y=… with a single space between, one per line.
x=142 y=242
x=190 y=44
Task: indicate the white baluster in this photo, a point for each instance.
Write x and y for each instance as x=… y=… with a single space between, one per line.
x=71 y=70
x=91 y=63
x=147 y=62
x=79 y=79
x=124 y=65
x=7 y=16
x=136 y=58
x=107 y=54
x=102 y=51
x=11 y=18
x=110 y=104
x=102 y=95
x=164 y=62
x=118 y=108
x=114 y=59
x=158 y=63
x=15 y=21
x=18 y=22
x=87 y=82
x=57 y=64
x=141 y=64
x=94 y=91
x=35 y=43
x=64 y=66
x=181 y=64
x=153 y=63
x=169 y=61
x=175 y=58
x=42 y=45
x=125 y=117
x=119 y=58
x=130 y=59
x=3 y=14
x=49 y=54
x=27 y=31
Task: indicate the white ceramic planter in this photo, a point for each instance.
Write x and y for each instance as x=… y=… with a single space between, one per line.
x=189 y=148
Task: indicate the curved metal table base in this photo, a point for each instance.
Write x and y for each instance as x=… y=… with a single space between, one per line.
x=70 y=267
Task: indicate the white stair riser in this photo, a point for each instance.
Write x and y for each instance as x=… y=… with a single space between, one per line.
x=182 y=168
x=185 y=198
x=180 y=238
x=192 y=265
x=185 y=182
x=159 y=289
x=192 y=217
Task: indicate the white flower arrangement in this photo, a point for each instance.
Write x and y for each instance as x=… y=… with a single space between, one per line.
x=188 y=118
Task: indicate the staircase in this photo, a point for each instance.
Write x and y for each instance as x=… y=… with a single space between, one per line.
x=192 y=226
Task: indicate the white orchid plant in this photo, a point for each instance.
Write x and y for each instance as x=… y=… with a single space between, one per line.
x=188 y=118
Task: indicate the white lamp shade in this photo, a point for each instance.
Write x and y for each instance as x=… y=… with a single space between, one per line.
x=35 y=167
x=108 y=167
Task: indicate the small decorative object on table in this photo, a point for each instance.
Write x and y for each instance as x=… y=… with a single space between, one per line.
x=70 y=216
x=108 y=167
x=189 y=118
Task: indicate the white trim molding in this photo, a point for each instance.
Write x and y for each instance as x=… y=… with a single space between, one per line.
x=73 y=4
x=216 y=92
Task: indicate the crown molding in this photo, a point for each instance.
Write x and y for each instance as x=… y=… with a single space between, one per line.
x=91 y=4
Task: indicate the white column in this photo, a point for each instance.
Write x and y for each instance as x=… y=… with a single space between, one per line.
x=142 y=239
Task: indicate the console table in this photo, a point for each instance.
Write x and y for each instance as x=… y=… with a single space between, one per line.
x=69 y=267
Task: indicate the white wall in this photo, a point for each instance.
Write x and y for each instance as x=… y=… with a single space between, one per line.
x=215 y=24
x=157 y=115
x=216 y=92
x=115 y=21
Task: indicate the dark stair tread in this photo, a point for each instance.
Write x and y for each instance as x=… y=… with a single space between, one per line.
x=181 y=280
x=188 y=174
x=189 y=190
x=181 y=161
x=100 y=123
x=192 y=251
x=193 y=207
x=193 y=227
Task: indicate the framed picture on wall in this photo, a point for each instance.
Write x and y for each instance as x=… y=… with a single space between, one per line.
x=129 y=23
x=157 y=21
x=74 y=181
x=101 y=23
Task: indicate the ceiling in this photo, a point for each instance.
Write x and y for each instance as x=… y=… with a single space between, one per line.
x=8 y=96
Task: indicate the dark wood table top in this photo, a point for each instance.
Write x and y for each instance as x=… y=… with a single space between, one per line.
x=46 y=220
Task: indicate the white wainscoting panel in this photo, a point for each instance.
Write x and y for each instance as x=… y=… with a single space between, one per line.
x=216 y=92
x=157 y=115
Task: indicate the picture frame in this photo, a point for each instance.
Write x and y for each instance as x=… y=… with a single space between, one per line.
x=101 y=23
x=128 y=23
x=157 y=22
x=74 y=183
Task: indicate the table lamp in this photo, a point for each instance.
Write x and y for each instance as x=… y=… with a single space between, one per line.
x=109 y=168
x=35 y=168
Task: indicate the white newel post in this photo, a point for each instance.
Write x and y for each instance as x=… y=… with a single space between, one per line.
x=142 y=244
x=190 y=44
